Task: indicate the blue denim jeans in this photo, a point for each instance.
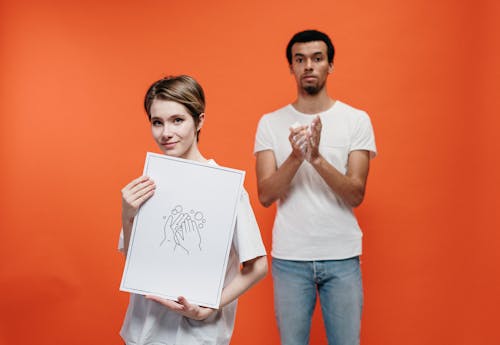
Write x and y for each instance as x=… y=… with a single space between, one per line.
x=339 y=286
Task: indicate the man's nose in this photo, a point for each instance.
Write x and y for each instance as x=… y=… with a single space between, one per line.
x=308 y=64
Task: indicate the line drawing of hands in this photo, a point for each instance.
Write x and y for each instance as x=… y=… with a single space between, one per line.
x=188 y=236
x=183 y=229
x=172 y=224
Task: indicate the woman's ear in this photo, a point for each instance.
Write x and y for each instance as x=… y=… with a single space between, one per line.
x=201 y=120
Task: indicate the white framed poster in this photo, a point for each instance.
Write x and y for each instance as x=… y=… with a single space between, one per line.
x=181 y=236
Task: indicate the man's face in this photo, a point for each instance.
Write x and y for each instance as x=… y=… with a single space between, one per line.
x=310 y=66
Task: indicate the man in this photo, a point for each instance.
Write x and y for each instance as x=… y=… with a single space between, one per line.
x=312 y=157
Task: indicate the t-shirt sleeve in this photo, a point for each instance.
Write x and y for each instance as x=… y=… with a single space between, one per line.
x=263 y=137
x=363 y=137
x=246 y=238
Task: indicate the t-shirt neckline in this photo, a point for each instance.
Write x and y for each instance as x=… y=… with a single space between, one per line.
x=315 y=114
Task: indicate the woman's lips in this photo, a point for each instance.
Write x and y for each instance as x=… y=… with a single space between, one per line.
x=169 y=145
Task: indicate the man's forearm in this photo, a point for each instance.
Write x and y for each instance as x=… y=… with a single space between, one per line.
x=351 y=189
x=277 y=184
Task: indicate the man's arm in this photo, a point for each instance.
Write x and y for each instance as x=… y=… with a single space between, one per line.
x=351 y=186
x=273 y=182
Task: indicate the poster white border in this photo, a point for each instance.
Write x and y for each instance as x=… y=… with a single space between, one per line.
x=132 y=274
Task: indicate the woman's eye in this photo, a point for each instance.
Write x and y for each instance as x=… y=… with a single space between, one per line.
x=178 y=120
x=156 y=123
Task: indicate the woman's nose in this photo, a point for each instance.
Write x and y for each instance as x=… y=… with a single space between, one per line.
x=167 y=132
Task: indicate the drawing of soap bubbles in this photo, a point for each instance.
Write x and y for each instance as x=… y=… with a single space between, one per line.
x=198 y=216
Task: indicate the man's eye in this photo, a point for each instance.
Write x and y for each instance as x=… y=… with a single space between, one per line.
x=298 y=60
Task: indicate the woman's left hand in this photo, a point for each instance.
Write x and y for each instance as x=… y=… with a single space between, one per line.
x=183 y=307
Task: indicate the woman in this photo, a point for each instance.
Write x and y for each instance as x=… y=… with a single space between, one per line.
x=175 y=107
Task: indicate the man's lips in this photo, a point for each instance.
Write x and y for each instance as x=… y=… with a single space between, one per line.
x=308 y=77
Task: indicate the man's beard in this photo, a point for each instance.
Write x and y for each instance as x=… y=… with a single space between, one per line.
x=312 y=90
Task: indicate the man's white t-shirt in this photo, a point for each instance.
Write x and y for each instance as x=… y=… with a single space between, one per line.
x=312 y=222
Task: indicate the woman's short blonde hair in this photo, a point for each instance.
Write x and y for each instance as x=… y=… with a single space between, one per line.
x=182 y=89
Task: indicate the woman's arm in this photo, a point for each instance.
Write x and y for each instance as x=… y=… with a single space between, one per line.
x=252 y=271
x=133 y=196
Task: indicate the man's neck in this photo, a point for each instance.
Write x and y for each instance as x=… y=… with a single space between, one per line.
x=313 y=104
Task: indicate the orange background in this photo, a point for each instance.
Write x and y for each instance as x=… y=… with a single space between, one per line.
x=73 y=133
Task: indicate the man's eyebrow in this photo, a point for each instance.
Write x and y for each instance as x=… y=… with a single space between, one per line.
x=315 y=53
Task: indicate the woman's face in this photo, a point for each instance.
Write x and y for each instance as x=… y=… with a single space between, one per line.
x=173 y=129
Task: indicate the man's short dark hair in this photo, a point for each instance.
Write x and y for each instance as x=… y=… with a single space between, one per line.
x=310 y=36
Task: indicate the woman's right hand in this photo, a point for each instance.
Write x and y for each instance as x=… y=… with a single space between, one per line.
x=134 y=195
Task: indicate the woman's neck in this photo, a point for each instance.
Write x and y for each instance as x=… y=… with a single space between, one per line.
x=195 y=155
